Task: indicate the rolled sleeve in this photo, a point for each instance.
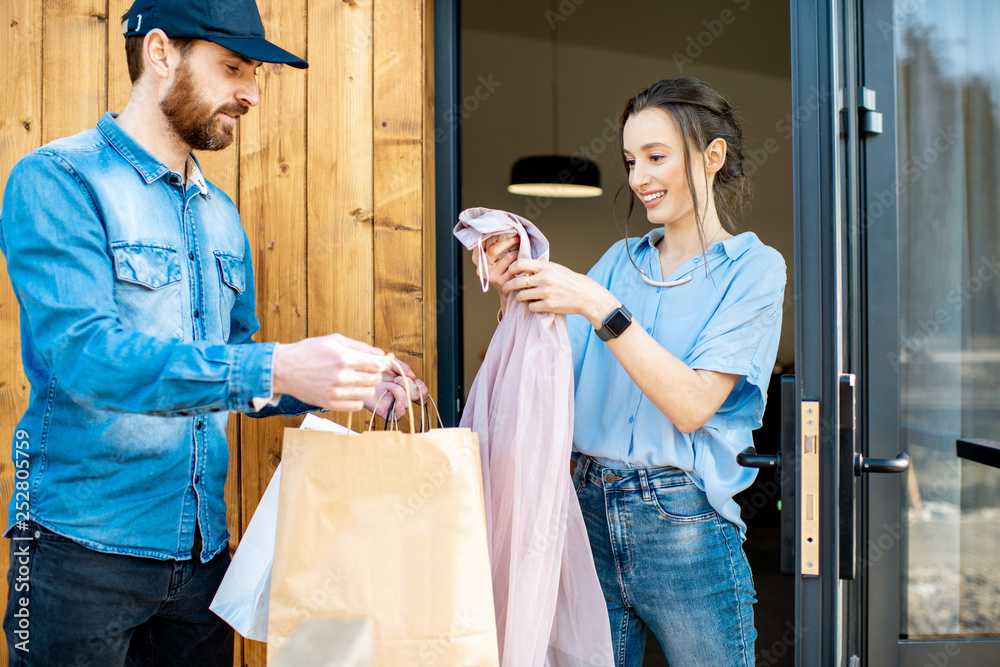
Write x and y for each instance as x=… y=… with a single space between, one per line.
x=742 y=339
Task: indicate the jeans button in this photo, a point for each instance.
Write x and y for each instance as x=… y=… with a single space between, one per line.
x=609 y=477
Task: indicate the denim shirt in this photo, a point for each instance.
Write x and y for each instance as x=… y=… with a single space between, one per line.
x=726 y=318
x=136 y=296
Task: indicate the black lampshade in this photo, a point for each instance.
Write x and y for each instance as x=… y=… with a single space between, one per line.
x=555 y=176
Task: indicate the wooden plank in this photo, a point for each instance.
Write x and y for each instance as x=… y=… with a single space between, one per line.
x=20 y=133
x=340 y=202
x=398 y=133
x=74 y=66
x=272 y=185
x=119 y=86
x=429 y=220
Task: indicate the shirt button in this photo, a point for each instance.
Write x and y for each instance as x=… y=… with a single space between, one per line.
x=191 y=256
x=198 y=426
x=197 y=314
x=696 y=260
x=718 y=247
x=631 y=419
x=196 y=479
x=649 y=330
x=182 y=413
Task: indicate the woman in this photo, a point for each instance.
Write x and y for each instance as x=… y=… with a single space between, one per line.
x=674 y=336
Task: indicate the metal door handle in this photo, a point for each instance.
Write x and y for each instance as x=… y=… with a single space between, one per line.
x=749 y=458
x=899 y=464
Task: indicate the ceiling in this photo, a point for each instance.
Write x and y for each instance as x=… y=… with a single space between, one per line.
x=739 y=34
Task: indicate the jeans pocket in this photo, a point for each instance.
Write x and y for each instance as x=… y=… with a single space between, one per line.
x=681 y=501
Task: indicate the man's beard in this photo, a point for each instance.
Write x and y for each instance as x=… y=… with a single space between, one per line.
x=194 y=121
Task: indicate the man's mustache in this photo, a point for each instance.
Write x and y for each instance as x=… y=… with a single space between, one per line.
x=235 y=110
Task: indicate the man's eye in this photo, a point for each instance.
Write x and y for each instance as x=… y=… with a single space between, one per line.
x=233 y=68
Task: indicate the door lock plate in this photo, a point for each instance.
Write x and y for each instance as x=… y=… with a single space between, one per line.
x=809 y=485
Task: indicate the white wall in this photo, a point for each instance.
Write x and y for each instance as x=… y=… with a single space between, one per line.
x=507 y=115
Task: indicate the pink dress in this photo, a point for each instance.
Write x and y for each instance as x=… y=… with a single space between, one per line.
x=549 y=605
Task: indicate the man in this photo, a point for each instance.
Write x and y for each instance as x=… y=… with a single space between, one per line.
x=136 y=293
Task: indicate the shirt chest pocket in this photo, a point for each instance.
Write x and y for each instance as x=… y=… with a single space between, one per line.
x=147 y=288
x=232 y=283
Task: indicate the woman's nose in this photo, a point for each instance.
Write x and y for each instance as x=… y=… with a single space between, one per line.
x=637 y=178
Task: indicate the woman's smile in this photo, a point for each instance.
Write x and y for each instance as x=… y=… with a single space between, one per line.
x=652 y=199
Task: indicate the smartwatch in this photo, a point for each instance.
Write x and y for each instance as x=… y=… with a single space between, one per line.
x=614 y=324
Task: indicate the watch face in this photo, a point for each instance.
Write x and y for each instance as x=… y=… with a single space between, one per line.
x=618 y=322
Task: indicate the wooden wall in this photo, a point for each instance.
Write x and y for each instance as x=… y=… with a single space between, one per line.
x=333 y=175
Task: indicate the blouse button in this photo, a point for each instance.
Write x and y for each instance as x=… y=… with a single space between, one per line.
x=718 y=247
x=631 y=419
x=649 y=330
x=695 y=260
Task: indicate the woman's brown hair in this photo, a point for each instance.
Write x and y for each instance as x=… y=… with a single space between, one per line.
x=701 y=115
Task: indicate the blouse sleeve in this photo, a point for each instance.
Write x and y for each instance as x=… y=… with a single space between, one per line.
x=742 y=337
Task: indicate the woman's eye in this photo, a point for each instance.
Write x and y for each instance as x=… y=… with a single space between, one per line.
x=655 y=158
x=629 y=164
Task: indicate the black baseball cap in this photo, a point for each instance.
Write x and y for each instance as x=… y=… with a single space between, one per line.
x=234 y=24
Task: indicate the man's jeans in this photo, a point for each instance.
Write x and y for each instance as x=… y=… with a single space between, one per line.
x=69 y=605
x=667 y=561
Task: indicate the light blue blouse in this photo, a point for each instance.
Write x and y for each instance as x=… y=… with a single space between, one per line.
x=725 y=319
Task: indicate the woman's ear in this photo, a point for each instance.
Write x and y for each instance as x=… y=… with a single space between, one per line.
x=715 y=155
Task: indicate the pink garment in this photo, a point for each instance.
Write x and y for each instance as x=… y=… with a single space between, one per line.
x=549 y=604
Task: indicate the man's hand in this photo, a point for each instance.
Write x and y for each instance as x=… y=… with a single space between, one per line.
x=332 y=372
x=396 y=385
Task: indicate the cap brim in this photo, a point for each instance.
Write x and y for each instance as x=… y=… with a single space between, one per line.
x=259 y=49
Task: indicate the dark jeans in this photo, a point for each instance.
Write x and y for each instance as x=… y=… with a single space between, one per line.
x=69 y=605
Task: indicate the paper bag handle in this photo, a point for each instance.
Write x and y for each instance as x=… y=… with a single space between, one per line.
x=409 y=400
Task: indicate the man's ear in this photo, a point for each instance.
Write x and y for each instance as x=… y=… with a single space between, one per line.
x=156 y=50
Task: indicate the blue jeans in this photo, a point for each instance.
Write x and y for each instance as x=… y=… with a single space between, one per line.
x=668 y=562
x=69 y=605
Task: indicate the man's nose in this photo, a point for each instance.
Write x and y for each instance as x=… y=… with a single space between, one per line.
x=249 y=94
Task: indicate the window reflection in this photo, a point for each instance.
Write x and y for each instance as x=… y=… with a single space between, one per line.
x=948 y=69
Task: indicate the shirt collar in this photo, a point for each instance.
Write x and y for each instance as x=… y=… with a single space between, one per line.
x=734 y=247
x=194 y=174
x=142 y=160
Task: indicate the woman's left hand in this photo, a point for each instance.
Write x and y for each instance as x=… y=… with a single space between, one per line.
x=552 y=288
x=396 y=385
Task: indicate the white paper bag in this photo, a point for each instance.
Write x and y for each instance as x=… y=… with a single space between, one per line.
x=242 y=598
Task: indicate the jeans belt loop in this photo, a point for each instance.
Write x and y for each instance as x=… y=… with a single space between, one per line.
x=585 y=462
x=646 y=494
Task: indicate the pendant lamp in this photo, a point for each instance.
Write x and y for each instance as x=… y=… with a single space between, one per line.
x=555 y=175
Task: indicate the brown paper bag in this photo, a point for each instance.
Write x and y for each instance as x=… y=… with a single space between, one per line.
x=390 y=526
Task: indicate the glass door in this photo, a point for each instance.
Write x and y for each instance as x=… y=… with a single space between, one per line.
x=931 y=551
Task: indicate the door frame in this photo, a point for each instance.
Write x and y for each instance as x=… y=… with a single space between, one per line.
x=816 y=184
x=447 y=205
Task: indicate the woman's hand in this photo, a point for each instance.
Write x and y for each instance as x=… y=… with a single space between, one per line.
x=552 y=288
x=499 y=257
x=396 y=385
